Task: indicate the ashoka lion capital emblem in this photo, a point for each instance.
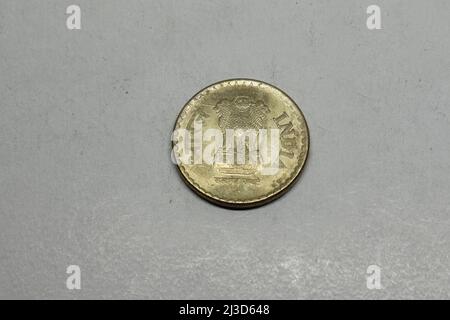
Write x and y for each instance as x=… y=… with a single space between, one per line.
x=241 y=113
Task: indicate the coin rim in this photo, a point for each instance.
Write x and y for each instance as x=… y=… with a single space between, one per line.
x=250 y=204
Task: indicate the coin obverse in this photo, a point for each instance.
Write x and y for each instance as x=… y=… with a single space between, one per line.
x=218 y=143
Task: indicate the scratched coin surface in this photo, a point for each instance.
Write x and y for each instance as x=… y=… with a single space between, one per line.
x=240 y=143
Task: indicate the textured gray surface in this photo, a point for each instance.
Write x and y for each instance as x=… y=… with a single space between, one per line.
x=86 y=118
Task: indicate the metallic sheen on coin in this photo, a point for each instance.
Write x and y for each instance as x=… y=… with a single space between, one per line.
x=240 y=143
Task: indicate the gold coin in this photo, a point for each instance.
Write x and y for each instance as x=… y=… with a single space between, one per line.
x=240 y=143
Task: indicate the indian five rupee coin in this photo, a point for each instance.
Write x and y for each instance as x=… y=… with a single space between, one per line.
x=240 y=143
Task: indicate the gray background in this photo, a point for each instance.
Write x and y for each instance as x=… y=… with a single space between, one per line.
x=85 y=124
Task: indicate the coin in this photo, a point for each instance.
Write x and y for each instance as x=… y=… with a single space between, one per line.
x=240 y=143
